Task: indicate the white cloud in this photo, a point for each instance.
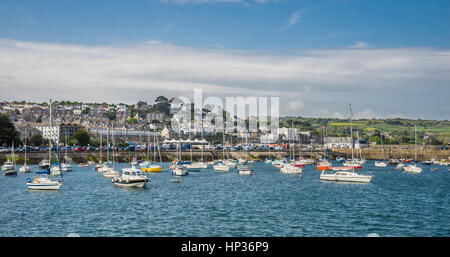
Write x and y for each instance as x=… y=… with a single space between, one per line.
x=294 y=18
x=360 y=45
x=411 y=81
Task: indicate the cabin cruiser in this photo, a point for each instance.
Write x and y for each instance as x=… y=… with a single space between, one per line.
x=8 y=165
x=179 y=170
x=43 y=182
x=8 y=168
x=44 y=164
x=345 y=176
x=131 y=177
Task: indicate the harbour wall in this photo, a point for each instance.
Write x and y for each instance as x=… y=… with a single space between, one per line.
x=367 y=153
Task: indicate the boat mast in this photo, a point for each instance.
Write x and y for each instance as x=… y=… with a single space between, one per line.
x=113 y=148
x=51 y=134
x=101 y=148
x=25 y=162
x=351 y=135
x=415 y=143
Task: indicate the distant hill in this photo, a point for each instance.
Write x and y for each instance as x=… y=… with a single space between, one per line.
x=395 y=131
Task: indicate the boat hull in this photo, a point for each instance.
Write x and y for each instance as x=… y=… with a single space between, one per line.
x=346 y=177
x=138 y=184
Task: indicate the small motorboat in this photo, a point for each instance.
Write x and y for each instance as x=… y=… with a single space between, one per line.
x=340 y=168
x=131 y=177
x=179 y=170
x=7 y=166
x=44 y=164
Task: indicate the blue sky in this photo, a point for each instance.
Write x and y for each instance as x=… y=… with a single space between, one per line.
x=323 y=24
x=316 y=55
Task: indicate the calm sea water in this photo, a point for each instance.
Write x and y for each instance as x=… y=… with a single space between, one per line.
x=210 y=203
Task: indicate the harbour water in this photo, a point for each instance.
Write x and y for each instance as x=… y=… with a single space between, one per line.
x=211 y=203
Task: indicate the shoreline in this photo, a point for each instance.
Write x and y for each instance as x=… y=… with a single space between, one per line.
x=167 y=156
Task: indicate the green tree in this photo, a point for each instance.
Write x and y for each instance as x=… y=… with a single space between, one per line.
x=37 y=140
x=82 y=136
x=8 y=132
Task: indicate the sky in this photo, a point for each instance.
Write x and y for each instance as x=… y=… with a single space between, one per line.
x=388 y=58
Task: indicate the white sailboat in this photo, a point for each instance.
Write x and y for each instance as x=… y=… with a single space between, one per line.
x=413 y=168
x=291 y=168
x=347 y=176
x=25 y=168
x=179 y=169
x=382 y=163
x=110 y=171
x=246 y=168
x=222 y=165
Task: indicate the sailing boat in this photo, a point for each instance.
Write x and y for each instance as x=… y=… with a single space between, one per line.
x=107 y=171
x=192 y=167
x=25 y=168
x=347 y=176
x=221 y=165
x=148 y=166
x=246 y=168
x=9 y=167
x=382 y=163
x=65 y=166
x=413 y=168
x=179 y=169
x=291 y=168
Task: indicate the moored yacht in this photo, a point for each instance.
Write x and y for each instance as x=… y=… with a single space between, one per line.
x=131 y=177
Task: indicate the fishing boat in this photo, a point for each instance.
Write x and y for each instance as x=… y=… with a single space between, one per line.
x=43 y=182
x=347 y=176
x=131 y=177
